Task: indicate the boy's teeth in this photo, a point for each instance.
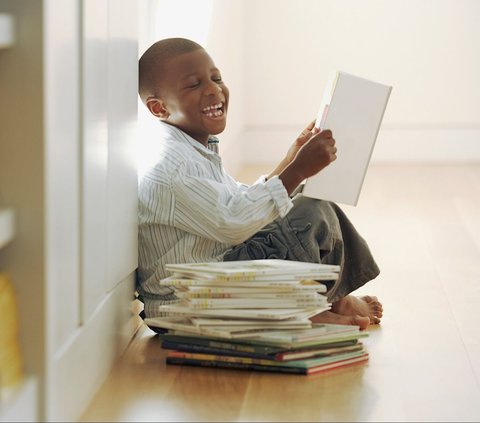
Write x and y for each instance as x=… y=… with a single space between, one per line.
x=215 y=113
x=215 y=106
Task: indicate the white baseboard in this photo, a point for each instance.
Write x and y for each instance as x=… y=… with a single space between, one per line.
x=86 y=362
x=268 y=144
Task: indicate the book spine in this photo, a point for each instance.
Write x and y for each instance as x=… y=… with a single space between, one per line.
x=201 y=349
x=223 y=345
x=223 y=357
x=302 y=354
x=325 y=341
x=338 y=364
x=304 y=364
x=237 y=366
x=329 y=274
x=297 y=296
x=250 y=304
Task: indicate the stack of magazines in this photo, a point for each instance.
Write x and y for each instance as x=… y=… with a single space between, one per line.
x=255 y=315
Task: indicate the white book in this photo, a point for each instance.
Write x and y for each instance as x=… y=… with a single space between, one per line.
x=257 y=314
x=289 y=323
x=246 y=296
x=227 y=290
x=253 y=303
x=186 y=326
x=352 y=108
x=245 y=270
x=184 y=280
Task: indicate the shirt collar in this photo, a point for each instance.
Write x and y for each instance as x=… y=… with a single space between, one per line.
x=177 y=134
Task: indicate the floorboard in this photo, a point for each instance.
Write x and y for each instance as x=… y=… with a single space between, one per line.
x=422 y=223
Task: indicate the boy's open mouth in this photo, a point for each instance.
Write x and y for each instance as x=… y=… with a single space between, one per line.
x=215 y=110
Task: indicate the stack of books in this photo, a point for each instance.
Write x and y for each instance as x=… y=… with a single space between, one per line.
x=255 y=315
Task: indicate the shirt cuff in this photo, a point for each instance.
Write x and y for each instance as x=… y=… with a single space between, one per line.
x=261 y=180
x=279 y=194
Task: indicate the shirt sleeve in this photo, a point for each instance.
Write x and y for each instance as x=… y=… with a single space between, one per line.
x=228 y=213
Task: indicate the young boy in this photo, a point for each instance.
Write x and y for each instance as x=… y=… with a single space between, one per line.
x=191 y=210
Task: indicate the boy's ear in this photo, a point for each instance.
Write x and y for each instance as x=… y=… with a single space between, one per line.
x=157 y=107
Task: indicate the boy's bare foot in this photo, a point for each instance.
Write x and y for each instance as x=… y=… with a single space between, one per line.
x=366 y=306
x=351 y=310
x=338 y=319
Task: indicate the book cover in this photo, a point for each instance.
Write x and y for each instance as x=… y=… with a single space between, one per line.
x=352 y=108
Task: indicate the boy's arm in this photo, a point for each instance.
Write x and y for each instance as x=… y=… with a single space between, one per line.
x=223 y=211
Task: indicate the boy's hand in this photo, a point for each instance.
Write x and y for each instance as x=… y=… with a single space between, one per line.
x=304 y=136
x=317 y=152
x=301 y=140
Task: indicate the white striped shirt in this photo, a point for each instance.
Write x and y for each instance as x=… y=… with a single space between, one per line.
x=191 y=210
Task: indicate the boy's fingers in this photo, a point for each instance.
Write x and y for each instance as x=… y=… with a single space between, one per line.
x=311 y=125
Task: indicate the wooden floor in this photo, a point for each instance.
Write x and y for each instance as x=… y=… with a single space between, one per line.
x=423 y=225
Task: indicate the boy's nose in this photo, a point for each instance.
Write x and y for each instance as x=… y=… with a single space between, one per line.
x=213 y=88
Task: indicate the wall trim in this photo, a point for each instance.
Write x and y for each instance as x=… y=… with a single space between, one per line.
x=95 y=346
x=430 y=143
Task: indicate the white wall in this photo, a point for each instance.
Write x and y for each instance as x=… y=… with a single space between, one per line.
x=226 y=46
x=428 y=50
x=275 y=56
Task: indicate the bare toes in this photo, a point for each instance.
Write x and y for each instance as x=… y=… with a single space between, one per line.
x=361 y=321
x=377 y=311
x=369 y=298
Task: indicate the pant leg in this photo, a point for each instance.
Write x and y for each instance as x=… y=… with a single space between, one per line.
x=314 y=231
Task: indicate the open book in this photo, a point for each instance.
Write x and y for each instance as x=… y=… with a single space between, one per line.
x=352 y=108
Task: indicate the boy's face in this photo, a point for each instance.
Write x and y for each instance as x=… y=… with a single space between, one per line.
x=192 y=95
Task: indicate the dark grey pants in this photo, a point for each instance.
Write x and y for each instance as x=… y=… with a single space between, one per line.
x=314 y=231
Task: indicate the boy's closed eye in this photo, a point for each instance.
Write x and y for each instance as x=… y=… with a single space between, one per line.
x=194 y=83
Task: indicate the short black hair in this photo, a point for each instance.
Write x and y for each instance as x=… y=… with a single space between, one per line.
x=153 y=60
